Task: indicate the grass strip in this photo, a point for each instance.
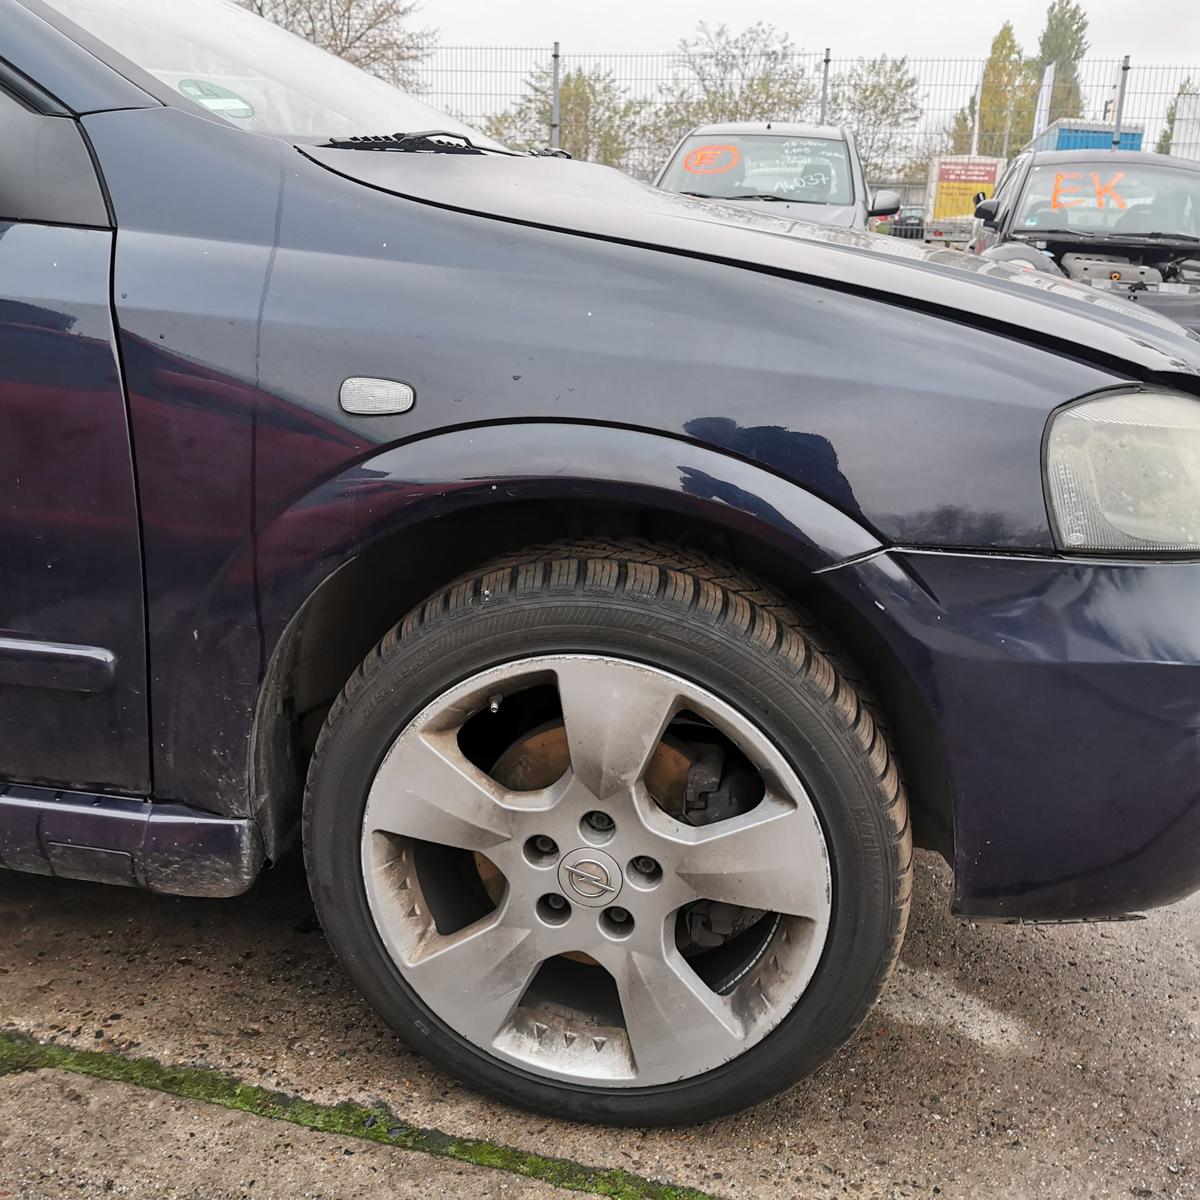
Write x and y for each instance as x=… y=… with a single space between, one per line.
x=20 y=1052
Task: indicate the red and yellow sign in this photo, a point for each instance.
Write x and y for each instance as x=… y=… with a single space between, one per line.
x=712 y=160
x=958 y=182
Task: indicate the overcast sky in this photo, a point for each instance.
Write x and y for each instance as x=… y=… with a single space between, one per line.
x=1158 y=31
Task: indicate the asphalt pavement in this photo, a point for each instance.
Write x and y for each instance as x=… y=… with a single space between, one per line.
x=1023 y=1061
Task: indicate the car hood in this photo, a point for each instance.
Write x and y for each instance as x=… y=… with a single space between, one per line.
x=600 y=202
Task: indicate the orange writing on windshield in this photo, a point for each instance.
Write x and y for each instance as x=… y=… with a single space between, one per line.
x=711 y=160
x=1071 y=195
x=1108 y=189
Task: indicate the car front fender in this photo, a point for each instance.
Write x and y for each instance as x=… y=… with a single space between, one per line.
x=261 y=598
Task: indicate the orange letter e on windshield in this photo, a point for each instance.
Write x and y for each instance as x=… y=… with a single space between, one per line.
x=1060 y=186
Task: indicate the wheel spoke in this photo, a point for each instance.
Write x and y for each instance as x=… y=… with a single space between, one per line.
x=615 y=714
x=672 y=1018
x=475 y=978
x=427 y=789
x=772 y=858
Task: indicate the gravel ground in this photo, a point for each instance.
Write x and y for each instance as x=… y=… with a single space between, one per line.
x=1047 y=1061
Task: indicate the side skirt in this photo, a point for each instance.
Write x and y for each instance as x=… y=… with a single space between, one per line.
x=170 y=848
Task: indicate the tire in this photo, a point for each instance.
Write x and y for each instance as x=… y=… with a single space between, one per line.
x=746 y=659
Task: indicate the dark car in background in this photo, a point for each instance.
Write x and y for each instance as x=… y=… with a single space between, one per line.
x=809 y=172
x=1124 y=222
x=604 y=587
x=909 y=222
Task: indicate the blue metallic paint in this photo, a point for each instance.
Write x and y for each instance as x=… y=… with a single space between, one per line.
x=625 y=353
x=70 y=558
x=595 y=201
x=1067 y=699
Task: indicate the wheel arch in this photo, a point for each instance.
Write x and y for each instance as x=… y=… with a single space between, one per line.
x=409 y=522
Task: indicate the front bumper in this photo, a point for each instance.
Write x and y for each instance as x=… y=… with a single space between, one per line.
x=1065 y=696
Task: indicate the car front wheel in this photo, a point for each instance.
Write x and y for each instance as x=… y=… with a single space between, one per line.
x=602 y=830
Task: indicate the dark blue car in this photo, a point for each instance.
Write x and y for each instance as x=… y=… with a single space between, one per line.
x=606 y=587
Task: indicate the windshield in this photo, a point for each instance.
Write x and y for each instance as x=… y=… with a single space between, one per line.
x=1117 y=198
x=728 y=166
x=251 y=73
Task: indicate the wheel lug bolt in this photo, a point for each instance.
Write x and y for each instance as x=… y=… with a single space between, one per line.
x=616 y=923
x=601 y=822
x=644 y=872
x=553 y=909
x=541 y=851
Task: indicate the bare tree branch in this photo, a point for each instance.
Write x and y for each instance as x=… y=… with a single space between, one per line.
x=372 y=34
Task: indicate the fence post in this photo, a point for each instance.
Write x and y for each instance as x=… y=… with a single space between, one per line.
x=975 y=123
x=824 y=88
x=555 y=89
x=1116 y=142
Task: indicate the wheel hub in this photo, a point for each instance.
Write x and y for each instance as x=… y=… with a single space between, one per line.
x=590 y=877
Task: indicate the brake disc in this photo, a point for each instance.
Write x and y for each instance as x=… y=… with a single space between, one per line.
x=541 y=756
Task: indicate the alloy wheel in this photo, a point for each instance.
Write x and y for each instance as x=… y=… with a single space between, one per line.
x=596 y=870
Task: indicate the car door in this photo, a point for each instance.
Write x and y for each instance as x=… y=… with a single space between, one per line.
x=73 y=710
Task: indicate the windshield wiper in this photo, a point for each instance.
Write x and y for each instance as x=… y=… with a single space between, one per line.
x=1041 y=235
x=1170 y=237
x=753 y=196
x=777 y=199
x=1098 y=235
x=427 y=141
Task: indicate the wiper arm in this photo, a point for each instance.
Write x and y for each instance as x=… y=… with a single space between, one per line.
x=426 y=141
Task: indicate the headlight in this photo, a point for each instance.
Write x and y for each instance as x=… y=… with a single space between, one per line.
x=1123 y=473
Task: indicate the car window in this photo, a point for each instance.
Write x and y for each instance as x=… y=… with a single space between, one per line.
x=251 y=73
x=1008 y=179
x=1103 y=196
x=46 y=172
x=806 y=170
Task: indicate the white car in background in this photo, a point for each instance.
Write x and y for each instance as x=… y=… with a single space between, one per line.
x=811 y=172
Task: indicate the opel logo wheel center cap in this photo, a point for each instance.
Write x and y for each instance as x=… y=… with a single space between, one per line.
x=590 y=877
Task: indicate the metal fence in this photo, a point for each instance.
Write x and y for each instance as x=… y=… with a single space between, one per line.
x=627 y=108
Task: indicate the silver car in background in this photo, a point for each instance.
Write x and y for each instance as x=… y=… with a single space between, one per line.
x=811 y=172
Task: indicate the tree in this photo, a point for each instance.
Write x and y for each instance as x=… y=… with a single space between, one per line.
x=718 y=75
x=1063 y=43
x=962 y=128
x=372 y=34
x=880 y=100
x=1186 y=88
x=597 y=120
x=1007 y=97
